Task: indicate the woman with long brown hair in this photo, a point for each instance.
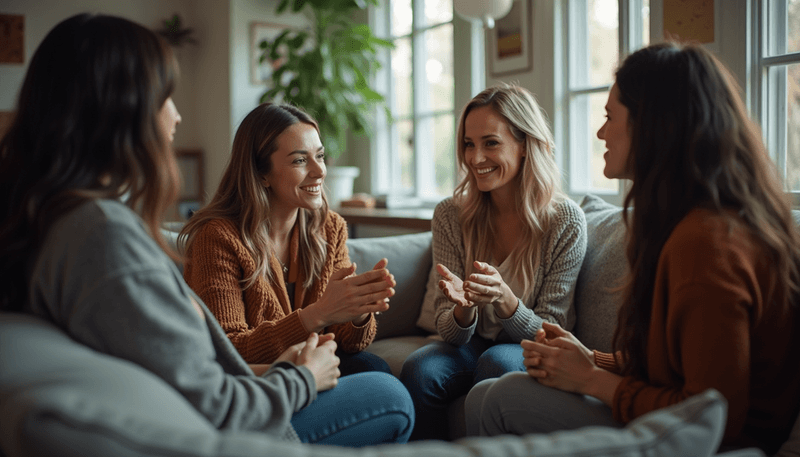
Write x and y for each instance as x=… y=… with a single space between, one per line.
x=269 y=258
x=86 y=173
x=711 y=300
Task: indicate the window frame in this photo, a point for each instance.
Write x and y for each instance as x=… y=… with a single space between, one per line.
x=769 y=86
x=386 y=166
x=576 y=144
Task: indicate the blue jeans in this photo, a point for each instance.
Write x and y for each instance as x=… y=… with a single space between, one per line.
x=360 y=362
x=440 y=372
x=362 y=410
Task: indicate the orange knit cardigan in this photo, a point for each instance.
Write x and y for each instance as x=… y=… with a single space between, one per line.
x=260 y=320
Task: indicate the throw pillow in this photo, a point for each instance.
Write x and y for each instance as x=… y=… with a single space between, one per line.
x=596 y=300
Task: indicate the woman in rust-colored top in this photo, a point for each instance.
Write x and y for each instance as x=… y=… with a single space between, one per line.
x=714 y=255
x=268 y=257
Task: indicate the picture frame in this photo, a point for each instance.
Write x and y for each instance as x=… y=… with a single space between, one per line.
x=509 y=43
x=12 y=37
x=691 y=22
x=261 y=72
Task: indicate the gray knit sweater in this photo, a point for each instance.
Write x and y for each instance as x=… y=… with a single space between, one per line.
x=102 y=279
x=562 y=252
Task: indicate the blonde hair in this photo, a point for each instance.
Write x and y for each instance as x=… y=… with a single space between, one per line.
x=242 y=198
x=538 y=189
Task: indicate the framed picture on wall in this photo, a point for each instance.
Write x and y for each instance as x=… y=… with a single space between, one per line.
x=261 y=72
x=509 y=42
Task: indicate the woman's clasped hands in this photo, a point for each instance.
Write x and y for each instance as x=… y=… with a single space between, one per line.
x=558 y=359
x=350 y=297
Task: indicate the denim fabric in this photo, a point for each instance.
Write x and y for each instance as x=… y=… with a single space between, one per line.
x=362 y=410
x=440 y=372
x=361 y=362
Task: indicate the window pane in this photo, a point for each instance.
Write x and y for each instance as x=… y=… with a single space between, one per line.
x=445 y=154
x=645 y=18
x=401 y=78
x=438 y=11
x=405 y=148
x=794 y=26
x=401 y=17
x=604 y=40
x=438 y=93
x=793 y=128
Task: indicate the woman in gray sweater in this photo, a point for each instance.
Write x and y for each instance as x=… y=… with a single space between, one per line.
x=508 y=247
x=94 y=127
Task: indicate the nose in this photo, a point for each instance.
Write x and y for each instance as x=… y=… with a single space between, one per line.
x=601 y=134
x=318 y=169
x=476 y=155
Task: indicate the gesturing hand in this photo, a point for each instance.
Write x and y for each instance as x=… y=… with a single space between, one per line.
x=349 y=297
x=557 y=359
x=320 y=358
x=453 y=287
x=488 y=287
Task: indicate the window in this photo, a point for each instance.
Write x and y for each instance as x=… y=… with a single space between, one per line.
x=777 y=86
x=414 y=150
x=595 y=42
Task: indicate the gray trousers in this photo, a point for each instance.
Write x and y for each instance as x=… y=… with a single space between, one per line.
x=517 y=404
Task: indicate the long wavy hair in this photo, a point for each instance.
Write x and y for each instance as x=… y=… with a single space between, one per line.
x=538 y=184
x=85 y=127
x=692 y=145
x=242 y=198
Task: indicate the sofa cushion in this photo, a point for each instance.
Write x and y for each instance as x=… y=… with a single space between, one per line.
x=409 y=261
x=604 y=266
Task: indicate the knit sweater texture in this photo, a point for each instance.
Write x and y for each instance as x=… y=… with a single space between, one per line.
x=260 y=320
x=715 y=323
x=562 y=250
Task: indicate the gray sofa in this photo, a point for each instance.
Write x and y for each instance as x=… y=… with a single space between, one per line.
x=58 y=397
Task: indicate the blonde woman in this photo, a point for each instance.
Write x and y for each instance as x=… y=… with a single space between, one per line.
x=508 y=246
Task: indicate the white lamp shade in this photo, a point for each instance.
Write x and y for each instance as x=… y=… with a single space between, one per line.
x=484 y=10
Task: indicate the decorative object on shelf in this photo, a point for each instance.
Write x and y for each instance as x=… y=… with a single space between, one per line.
x=482 y=10
x=174 y=32
x=339 y=184
x=12 y=38
x=509 y=43
x=326 y=70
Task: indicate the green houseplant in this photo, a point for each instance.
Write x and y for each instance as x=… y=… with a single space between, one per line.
x=326 y=69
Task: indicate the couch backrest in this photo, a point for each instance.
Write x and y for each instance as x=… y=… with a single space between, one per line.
x=410 y=261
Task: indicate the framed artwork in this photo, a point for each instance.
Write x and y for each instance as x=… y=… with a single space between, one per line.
x=692 y=20
x=509 y=46
x=12 y=38
x=261 y=72
x=5 y=121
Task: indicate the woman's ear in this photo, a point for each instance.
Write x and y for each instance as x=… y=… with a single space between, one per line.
x=265 y=182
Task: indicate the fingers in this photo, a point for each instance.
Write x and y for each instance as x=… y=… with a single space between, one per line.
x=381 y=264
x=554 y=329
x=373 y=276
x=445 y=272
x=484 y=268
x=342 y=273
x=325 y=337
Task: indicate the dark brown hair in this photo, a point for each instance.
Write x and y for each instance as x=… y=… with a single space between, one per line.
x=692 y=145
x=85 y=127
x=242 y=198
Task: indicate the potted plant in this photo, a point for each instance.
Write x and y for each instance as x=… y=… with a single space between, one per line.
x=326 y=70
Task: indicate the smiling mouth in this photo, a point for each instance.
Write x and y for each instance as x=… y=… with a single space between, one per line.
x=483 y=171
x=312 y=189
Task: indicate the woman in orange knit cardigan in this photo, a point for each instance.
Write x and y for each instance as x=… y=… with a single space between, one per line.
x=268 y=257
x=713 y=295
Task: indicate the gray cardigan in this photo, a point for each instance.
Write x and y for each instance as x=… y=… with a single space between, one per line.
x=99 y=276
x=563 y=249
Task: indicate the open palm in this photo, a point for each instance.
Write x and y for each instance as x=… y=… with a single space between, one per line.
x=453 y=287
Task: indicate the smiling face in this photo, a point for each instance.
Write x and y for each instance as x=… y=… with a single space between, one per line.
x=298 y=170
x=491 y=152
x=168 y=119
x=616 y=133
